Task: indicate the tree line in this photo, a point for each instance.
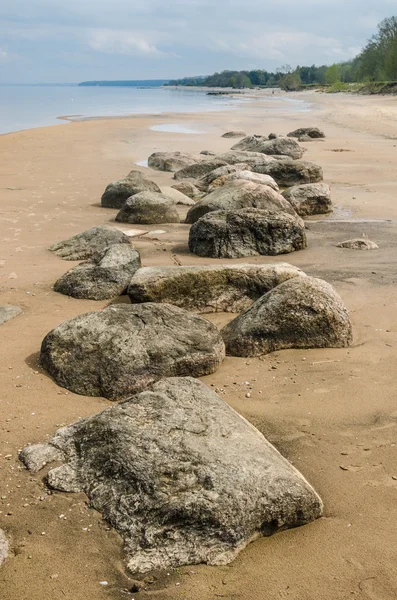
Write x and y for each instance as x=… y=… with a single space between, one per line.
x=376 y=62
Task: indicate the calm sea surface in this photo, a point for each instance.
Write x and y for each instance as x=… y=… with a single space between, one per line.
x=25 y=107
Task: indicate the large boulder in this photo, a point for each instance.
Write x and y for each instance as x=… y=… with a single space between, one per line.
x=250 y=143
x=219 y=174
x=234 y=134
x=171 y=161
x=199 y=169
x=276 y=146
x=89 y=243
x=105 y=276
x=181 y=476
x=117 y=192
x=148 y=208
x=3 y=547
x=176 y=196
x=312 y=132
x=124 y=348
x=8 y=312
x=302 y=312
x=257 y=178
x=211 y=288
x=310 y=198
x=188 y=189
x=252 y=159
x=246 y=232
x=288 y=172
x=239 y=194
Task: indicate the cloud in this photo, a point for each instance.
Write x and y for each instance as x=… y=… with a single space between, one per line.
x=122 y=42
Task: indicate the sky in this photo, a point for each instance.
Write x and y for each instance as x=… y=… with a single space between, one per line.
x=75 y=40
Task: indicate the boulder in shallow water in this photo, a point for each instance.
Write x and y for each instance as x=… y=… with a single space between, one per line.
x=199 y=169
x=124 y=348
x=288 y=172
x=3 y=547
x=89 y=243
x=246 y=232
x=104 y=277
x=148 y=208
x=117 y=192
x=312 y=132
x=238 y=194
x=310 y=198
x=8 y=312
x=209 y=288
x=181 y=476
x=358 y=244
x=303 y=312
x=171 y=161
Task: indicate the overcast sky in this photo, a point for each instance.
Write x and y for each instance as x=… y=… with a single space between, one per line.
x=75 y=40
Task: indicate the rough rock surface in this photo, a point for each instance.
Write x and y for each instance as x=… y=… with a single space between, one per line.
x=220 y=174
x=252 y=159
x=238 y=194
x=171 y=161
x=312 y=132
x=3 y=547
x=125 y=348
x=117 y=192
x=234 y=134
x=310 y=198
x=303 y=312
x=89 y=243
x=188 y=189
x=181 y=476
x=37 y=456
x=106 y=276
x=208 y=153
x=248 y=176
x=199 y=169
x=276 y=146
x=148 y=208
x=358 y=244
x=8 y=312
x=288 y=172
x=177 y=196
x=212 y=288
x=246 y=232
x=250 y=143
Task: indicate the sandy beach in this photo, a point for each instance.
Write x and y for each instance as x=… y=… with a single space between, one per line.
x=332 y=413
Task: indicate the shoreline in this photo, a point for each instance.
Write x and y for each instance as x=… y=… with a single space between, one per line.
x=330 y=412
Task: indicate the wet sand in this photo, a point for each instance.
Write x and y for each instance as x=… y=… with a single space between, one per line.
x=332 y=413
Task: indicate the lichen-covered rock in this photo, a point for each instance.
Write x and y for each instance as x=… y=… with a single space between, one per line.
x=90 y=243
x=312 y=132
x=8 y=312
x=124 y=348
x=209 y=288
x=276 y=146
x=247 y=176
x=148 y=208
x=188 y=189
x=310 y=198
x=3 y=547
x=358 y=244
x=171 y=161
x=246 y=232
x=181 y=476
x=252 y=159
x=238 y=194
x=103 y=277
x=117 y=192
x=288 y=172
x=234 y=134
x=199 y=169
x=302 y=312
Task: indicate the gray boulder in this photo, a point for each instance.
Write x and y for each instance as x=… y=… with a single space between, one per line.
x=188 y=189
x=89 y=243
x=181 y=476
x=234 y=134
x=176 y=196
x=3 y=547
x=208 y=153
x=148 y=208
x=276 y=146
x=312 y=132
x=124 y=348
x=103 y=277
x=256 y=178
x=302 y=312
x=238 y=194
x=171 y=161
x=212 y=288
x=199 y=169
x=358 y=244
x=250 y=143
x=246 y=232
x=8 y=312
x=310 y=198
x=252 y=159
x=218 y=175
x=117 y=192
x=288 y=172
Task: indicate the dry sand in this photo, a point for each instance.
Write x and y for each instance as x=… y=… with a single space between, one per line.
x=333 y=413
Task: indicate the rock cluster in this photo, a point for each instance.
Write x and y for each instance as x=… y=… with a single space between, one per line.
x=117 y=192
x=147 y=208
